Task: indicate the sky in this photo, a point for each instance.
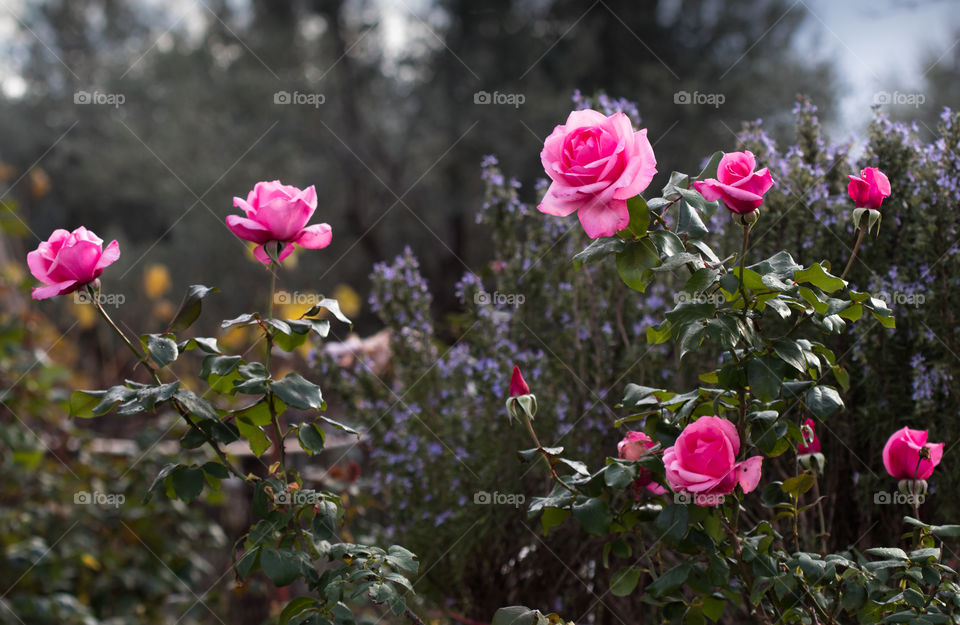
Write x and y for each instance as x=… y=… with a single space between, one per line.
x=882 y=47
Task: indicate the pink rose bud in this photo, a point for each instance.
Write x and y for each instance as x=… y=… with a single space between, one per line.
x=737 y=184
x=279 y=213
x=68 y=261
x=811 y=443
x=703 y=462
x=908 y=456
x=518 y=386
x=596 y=163
x=869 y=189
x=634 y=446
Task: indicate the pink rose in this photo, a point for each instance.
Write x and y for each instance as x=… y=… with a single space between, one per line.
x=737 y=184
x=634 y=446
x=902 y=455
x=869 y=189
x=279 y=212
x=811 y=443
x=518 y=386
x=703 y=462
x=596 y=164
x=69 y=260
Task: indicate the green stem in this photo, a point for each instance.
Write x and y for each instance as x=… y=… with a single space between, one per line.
x=545 y=455
x=854 y=253
x=822 y=519
x=156 y=378
x=743 y=258
x=278 y=433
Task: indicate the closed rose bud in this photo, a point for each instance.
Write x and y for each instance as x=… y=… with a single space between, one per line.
x=518 y=386
x=69 y=260
x=811 y=443
x=869 y=189
x=737 y=185
x=278 y=214
x=634 y=446
x=908 y=456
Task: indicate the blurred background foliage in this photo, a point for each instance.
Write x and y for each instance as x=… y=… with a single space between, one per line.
x=398 y=152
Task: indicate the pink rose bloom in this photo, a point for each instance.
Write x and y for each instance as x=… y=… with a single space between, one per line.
x=901 y=455
x=69 y=260
x=814 y=446
x=869 y=189
x=518 y=386
x=634 y=446
x=737 y=184
x=279 y=212
x=596 y=164
x=703 y=462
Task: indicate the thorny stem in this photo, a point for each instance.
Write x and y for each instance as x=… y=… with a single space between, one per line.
x=156 y=378
x=853 y=254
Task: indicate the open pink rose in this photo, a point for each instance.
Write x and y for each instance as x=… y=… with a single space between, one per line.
x=703 y=462
x=634 y=446
x=902 y=455
x=279 y=212
x=737 y=184
x=869 y=189
x=69 y=260
x=811 y=443
x=596 y=164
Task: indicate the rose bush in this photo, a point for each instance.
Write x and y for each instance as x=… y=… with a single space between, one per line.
x=295 y=536
x=731 y=557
